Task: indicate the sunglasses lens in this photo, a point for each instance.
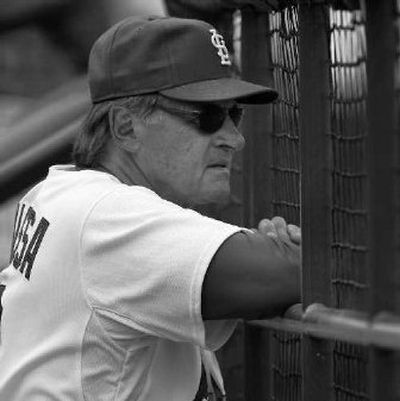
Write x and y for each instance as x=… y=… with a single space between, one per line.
x=212 y=117
x=236 y=114
x=209 y=118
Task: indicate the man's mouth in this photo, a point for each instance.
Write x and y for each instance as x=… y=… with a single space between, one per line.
x=219 y=165
x=222 y=165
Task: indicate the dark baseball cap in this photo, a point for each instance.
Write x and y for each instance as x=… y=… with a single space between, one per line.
x=183 y=59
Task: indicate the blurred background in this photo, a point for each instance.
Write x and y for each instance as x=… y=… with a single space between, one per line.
x=44 y=50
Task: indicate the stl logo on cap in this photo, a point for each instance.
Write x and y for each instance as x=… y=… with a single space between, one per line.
x=218 y=42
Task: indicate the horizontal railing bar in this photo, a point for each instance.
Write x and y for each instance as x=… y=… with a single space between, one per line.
x=381 y=330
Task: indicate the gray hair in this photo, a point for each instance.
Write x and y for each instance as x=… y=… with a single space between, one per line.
x=94 y=132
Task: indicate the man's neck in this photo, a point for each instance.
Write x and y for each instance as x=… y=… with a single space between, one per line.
x=126 y=170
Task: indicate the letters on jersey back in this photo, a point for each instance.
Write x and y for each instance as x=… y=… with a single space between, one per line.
x=28 y=234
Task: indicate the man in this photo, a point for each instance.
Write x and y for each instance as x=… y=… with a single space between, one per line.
x=116 y=287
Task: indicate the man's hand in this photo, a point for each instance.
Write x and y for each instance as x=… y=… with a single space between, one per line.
x=277 y=228
x=286 y=236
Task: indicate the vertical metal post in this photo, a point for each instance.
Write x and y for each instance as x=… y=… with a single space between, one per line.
x=381 y=47
x=257 y=126
x=316 y=188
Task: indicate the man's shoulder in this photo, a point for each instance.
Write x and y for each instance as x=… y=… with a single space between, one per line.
x=67 y=191
x=88 y=190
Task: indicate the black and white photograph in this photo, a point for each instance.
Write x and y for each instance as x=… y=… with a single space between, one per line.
x=199 y=200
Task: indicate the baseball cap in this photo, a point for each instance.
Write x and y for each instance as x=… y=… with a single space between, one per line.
x=183 y=59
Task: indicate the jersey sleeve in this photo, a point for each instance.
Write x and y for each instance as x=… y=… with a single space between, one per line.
x=143 y=260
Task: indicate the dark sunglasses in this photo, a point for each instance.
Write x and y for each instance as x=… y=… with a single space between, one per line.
x=209 y=117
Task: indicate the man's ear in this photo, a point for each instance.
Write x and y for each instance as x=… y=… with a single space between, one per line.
x=124 y=128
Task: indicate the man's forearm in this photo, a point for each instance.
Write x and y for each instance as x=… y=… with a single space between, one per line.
x=251 y=276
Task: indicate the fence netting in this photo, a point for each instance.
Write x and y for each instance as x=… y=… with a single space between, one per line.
x=349 y=185
x=349 y=212
x=349 y=169
x=285 y=167
x=283 y=36
x=347 y=139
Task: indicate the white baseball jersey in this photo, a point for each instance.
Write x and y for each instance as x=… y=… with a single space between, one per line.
x=103 y=293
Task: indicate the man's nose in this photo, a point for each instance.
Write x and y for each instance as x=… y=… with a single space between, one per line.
x=230 y=135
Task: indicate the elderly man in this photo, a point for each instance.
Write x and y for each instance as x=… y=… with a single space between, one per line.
x=116 y=288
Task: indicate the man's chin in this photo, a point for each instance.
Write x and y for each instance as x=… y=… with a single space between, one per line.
x=220 y=197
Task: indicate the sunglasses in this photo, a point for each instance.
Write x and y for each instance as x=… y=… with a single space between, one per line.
x=209 y=117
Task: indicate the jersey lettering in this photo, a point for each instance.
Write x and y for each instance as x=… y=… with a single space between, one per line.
x=17 y=229
x=27 y=238
x=23 y=238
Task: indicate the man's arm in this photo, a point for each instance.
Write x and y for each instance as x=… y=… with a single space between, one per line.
x=252 y=276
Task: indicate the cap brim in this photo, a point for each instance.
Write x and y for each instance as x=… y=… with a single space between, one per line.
x=222 y=89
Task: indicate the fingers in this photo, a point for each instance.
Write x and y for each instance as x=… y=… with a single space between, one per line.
x=278 y=228
x=291 y=248
x=294 y=233
x=267 y=227
x=281 y=228
x=286 y=236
